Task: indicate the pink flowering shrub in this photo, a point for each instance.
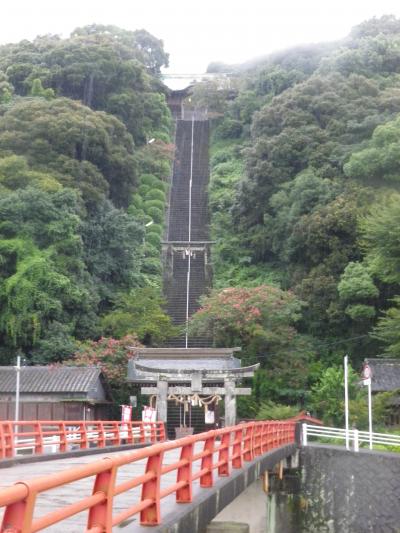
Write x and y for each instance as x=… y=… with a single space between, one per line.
x=261 y=320
x=239 y=315
x=111 y=355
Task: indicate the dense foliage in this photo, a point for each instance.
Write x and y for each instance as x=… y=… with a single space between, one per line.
x=104 y=67
x=76 y=255
x=112 y=356
x=262 y=320
x=304 y=196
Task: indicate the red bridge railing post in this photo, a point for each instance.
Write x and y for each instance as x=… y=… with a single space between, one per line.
x=161 y=431
x=62 y=436
x=142 y=434
x=129 y=436
x=264 y=437
x=117 y=433
x=237 y=449
x=6 y=440
x=206 y=479
x=151 y=515
x=257 y=438
x=248 y=442
x=184 y=473
x=101 y=442
x=223 y=455
x=37 y=428
x=100 y=515
x=153 y=432
x=83 y=435
x=18 y=516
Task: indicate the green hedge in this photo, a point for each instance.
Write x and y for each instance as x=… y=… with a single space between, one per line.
x=143 y=190
x=137 y=201
x=148 y=179
x=155 y=228
x=155 y=194
x=148 y=204
x=155 y=214
x=153 y=239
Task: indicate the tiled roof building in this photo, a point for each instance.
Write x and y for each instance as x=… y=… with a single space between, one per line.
x=55 y=393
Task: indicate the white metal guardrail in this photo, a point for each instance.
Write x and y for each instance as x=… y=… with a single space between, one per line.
x=353 y=437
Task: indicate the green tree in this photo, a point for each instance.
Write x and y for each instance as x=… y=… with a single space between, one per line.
x=388 y=329
x=240 y=317
x=275 y=411
x=6 y=89
x=261 y=320
x=87 y=150
x=357 y=290
x=105 y=67
x=380 y=239
x=151 y=51
x=39 y=90
x=43 y=277
x=33 y=296
x=15 y=173
x=379 y=161
x=140 y=312
x=327 y=398
x=113 y=255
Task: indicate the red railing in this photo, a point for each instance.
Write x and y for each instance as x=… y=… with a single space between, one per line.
x=304 y=417
x=43 y=436
x=220 y=451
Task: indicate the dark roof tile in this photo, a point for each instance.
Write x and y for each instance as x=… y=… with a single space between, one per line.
x=385 y=374
x=37 y=379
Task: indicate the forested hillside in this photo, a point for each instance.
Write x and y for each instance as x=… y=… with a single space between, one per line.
x=305 y=199
x=78 y=184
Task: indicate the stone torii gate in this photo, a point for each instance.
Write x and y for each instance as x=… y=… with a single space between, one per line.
x=189 y=371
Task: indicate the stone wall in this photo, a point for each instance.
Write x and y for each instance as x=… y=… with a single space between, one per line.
x=347 y=492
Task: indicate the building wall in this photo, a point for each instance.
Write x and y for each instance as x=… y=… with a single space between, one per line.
x=57 y=406
x=46 y=410
x=347 y=492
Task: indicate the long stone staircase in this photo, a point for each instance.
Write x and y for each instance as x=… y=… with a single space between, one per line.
x=186 y=250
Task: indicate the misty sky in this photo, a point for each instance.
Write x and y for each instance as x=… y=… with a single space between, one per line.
x=196 y=33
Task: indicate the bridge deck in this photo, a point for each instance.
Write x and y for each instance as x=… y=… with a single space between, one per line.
x=62 y=496
x=73 y=492
x=70 y=493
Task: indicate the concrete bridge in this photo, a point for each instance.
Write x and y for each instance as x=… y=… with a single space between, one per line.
x=173 y=486
x=180 y=486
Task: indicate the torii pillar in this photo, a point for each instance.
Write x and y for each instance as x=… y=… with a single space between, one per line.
x=162 y=399
x=230 y=402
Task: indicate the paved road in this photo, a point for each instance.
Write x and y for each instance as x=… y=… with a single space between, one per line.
x=67 y=494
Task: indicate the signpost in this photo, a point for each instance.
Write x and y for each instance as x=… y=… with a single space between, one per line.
x=133 y=401
x=346 y=400
x=366 y=378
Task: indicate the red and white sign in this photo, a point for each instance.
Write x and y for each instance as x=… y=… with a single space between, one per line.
x=126 y=413
x=209 y=417
x=149 y=414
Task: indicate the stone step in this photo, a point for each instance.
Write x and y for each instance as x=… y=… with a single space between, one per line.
x=175 y=284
